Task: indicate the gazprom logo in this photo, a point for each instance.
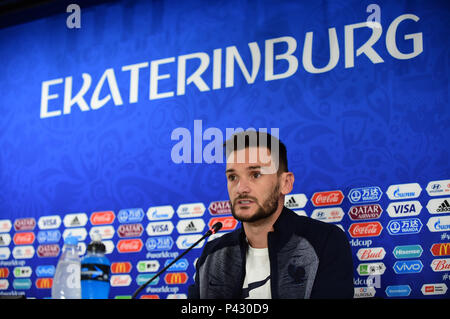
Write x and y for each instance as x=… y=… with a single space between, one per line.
x=404 y=191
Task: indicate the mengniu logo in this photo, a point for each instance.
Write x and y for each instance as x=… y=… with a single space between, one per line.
x=330 y=198
x=44 y=283
x=121 y=267
x=176 y=278
x=102 y=218
x=441 y=249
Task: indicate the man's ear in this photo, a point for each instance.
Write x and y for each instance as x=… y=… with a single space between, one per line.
x=287 y=182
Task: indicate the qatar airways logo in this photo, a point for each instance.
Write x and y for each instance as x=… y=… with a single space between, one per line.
x=215 y=69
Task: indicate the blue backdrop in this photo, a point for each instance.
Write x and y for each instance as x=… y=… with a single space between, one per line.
x=87 y=117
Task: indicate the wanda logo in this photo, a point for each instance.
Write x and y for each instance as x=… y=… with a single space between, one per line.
x=129 y=245
x=330 y=198
x=370 y=229
x=102 y=218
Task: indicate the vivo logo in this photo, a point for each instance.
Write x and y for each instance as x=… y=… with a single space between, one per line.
x=408 y=267
x=45 y=271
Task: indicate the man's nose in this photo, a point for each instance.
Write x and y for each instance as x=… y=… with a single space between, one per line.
x=243 y=186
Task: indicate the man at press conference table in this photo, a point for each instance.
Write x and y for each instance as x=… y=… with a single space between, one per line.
x=276 y=253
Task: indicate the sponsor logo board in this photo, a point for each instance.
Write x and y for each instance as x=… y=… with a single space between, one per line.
x=404 y=226
x=295 y=201
x=365 y=195
x=404 y=209
x=329 y=198
x=368 y=229
x=404 y=191
x=407 y=251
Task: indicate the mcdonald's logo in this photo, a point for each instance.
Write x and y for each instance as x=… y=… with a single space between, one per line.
x=175 y=278
x=121 y=267
x=4 y=272
x=44 y=283
x=441 y=249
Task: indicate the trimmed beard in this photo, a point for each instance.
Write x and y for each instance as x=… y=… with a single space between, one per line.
x=265 y=210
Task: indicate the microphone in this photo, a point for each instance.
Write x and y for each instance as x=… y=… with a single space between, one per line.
x=214 y=229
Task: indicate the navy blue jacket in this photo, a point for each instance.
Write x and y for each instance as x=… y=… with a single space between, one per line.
x=308 y=259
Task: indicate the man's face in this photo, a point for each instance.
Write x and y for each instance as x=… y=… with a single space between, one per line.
x=253 y=185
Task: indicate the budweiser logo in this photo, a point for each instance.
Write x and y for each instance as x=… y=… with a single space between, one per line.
x=441 y=264
x=375 y=253
x=327 y=198
x=120 y=280
x=102 y=218
x=370 y=229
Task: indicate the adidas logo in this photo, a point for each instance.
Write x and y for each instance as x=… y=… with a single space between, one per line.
x=291 y=203
x=190 y=228
x=444 y=207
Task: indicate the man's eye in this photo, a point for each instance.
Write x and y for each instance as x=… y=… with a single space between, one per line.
x=231 y=178
x=256 y=175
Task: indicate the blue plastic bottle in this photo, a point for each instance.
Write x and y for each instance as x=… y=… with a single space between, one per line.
x=95 y=268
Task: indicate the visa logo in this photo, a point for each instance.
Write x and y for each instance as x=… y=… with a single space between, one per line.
x=410 y=208
x=404 y=209
x=408 y=267
x=159 y=228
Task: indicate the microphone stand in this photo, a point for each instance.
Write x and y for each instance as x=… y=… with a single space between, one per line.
x=213 y=230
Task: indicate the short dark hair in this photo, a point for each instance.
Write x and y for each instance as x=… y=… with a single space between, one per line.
x=251 y=138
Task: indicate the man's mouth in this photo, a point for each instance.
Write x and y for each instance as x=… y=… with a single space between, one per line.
x=245 y=202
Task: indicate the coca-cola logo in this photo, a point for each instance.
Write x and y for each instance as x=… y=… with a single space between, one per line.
x=329 y=198
x=102 y=218
x=362 y=212
x=220 y=208
x=24 y=238
x=228 y=223
x=129 y=245
x=369 y=229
